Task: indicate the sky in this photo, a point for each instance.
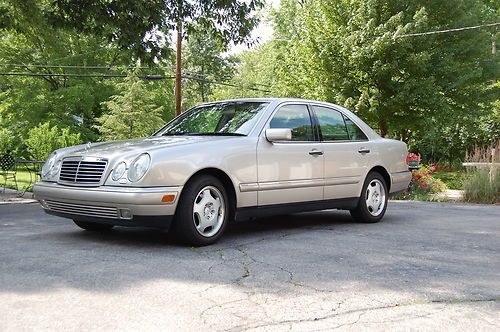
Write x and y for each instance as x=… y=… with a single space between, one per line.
x=262 y=33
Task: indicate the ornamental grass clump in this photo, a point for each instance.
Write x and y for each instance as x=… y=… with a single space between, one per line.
x=483 y=187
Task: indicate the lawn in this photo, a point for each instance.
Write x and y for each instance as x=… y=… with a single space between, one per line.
x=23 y=180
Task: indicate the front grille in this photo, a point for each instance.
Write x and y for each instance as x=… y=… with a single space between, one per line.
x=82 y=210
x=86 y=171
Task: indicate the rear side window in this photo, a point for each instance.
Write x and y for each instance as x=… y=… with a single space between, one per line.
x=355 y=133
x=331 y=123
x=297 y=118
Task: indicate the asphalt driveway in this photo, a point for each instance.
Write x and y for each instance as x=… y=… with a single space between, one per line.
x=427 y=266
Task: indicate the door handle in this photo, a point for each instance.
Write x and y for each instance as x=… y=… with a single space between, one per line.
x=364 y=150
x=316 y=152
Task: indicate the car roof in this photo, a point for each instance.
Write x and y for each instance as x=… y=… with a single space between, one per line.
x=270 y=99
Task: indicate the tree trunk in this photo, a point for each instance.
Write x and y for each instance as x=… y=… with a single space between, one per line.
x=383 y=127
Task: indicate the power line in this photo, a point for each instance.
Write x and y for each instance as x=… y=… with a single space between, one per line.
x=78 y=67
x=449 y=30
x=78 y=54
x=191 y=73
x=147 y=77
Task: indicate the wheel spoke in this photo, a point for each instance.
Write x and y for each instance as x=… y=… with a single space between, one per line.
x=198 y=209
x=369 y=195
x=217 y=206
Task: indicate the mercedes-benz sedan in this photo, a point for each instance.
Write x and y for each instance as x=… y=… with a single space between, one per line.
x=224 y=161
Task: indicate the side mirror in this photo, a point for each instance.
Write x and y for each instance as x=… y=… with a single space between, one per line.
x=278 y=134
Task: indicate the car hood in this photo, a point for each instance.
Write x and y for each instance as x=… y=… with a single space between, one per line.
x=132 y=146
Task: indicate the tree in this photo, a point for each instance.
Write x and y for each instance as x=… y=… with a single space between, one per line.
x=204 y=63
x=144 y=26
x=255 y=73
x=355 y=53
x=131 y=113
x=45 y=138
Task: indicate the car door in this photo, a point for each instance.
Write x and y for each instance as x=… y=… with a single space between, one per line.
x=290 y=171
x=346 y=153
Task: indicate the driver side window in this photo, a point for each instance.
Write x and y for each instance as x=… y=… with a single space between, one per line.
x=297 y=118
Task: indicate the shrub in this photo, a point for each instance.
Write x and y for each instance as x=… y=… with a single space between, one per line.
x=423 y=184
x=483 y=188
x=43 y=139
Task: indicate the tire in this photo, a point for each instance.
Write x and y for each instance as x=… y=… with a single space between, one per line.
x=373 y=201
x=203 y=212
x=92 y=226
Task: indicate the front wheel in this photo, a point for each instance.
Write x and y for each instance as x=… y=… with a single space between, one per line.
x=373 y=201
x=92 y=226
x=202 y=212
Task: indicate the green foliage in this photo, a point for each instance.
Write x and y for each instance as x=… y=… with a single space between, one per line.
x=144 y=26
x=203 y=63
x=44 y=139
x=432 y=91
x=255 y=69
x=131 y=113
x=481 y=187
x=7 y=141
x=452 y=180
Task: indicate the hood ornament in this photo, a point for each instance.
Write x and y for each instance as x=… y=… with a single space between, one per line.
x=87 y=146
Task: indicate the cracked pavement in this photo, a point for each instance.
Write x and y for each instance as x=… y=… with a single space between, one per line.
x=427 y=266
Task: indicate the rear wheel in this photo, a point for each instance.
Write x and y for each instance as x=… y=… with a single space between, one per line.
x=373 y=201
x=92 y=226
x=203 y=211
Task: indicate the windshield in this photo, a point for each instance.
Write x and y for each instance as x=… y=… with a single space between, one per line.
x=225 y=118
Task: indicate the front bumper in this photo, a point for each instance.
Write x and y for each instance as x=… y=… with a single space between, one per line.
x=125 y=206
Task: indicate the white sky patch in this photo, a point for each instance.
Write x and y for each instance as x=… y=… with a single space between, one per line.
x=262 y=33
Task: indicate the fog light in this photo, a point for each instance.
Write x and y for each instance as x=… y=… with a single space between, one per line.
x=44 y=205
x=125 y=214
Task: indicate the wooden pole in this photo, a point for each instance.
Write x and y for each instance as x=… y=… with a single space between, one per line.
x=492 y=168
x=493 y=51
x=178 y=70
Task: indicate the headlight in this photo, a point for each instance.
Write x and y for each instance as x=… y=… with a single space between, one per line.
x=119 y=171
x=47 y=167
x=55 y=168
x=139 y=167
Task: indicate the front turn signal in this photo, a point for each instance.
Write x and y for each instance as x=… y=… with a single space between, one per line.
x=168 y=198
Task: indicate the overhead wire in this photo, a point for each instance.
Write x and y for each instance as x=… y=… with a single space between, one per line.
x=192 y=74
x=449 y=30
x=148 y=77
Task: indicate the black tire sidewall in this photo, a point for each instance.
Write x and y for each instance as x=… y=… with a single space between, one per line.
x=184 y=226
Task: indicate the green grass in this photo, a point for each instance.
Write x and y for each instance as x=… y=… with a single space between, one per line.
x=23 y=180
x=453 y=180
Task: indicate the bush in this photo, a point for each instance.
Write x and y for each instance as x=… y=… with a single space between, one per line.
x=423 y=184
x=43 y=139
x=480 y=189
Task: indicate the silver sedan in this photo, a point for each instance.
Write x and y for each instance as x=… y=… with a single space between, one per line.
x=224 y=161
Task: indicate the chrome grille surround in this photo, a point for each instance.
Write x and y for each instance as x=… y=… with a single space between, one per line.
x=86 y=171
x=82 y=209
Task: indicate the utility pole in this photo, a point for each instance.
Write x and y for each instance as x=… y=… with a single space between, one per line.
x=493 y=50
x=178 y=62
